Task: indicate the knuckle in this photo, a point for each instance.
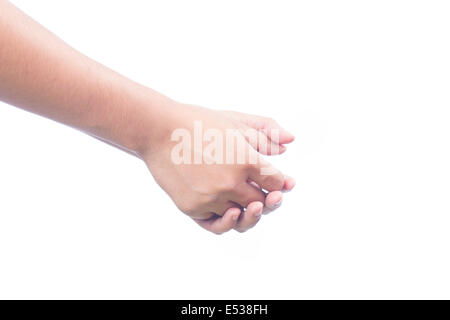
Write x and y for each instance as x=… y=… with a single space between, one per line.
x=255 y=166
x=205 y=216
x=188 y=207
x=183 y=208
x=266 y=179
x=270 y=120
x=274 y=181
x=278 y=182
x=197 y=204
x=273 y=121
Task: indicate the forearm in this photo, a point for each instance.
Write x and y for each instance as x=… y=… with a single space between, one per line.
x=41 y=74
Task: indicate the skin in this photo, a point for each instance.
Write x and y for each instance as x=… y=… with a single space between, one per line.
x=41 y=74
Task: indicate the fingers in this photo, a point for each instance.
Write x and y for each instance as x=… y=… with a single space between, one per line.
x=246 y=193
x=273 y=201
x=221 y=207
x=250 y=217
x=218 y=224
x=234 y=218
x=276 y=133
x=261 y=142
x=269 y=124
x=289 y=184
x=266 y=176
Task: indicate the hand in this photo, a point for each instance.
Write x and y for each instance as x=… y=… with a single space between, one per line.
x=70 y=88
x=215 y=194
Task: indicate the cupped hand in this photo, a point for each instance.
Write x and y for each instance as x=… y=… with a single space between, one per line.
x=217 y=193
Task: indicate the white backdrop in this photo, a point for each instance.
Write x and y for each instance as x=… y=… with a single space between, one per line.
x=364 y=85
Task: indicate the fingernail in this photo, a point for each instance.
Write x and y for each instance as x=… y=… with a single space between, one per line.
x=259 y=213
x=235 y=217
x=277 y=204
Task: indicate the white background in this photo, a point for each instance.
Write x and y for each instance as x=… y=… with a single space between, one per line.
x=364 y=85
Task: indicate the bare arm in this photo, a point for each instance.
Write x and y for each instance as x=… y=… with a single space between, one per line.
x=42 y=74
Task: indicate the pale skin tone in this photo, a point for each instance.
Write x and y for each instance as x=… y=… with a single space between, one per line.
x=41 y=74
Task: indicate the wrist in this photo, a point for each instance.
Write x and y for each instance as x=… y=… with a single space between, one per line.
x=151 y=121
x=127 y=115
